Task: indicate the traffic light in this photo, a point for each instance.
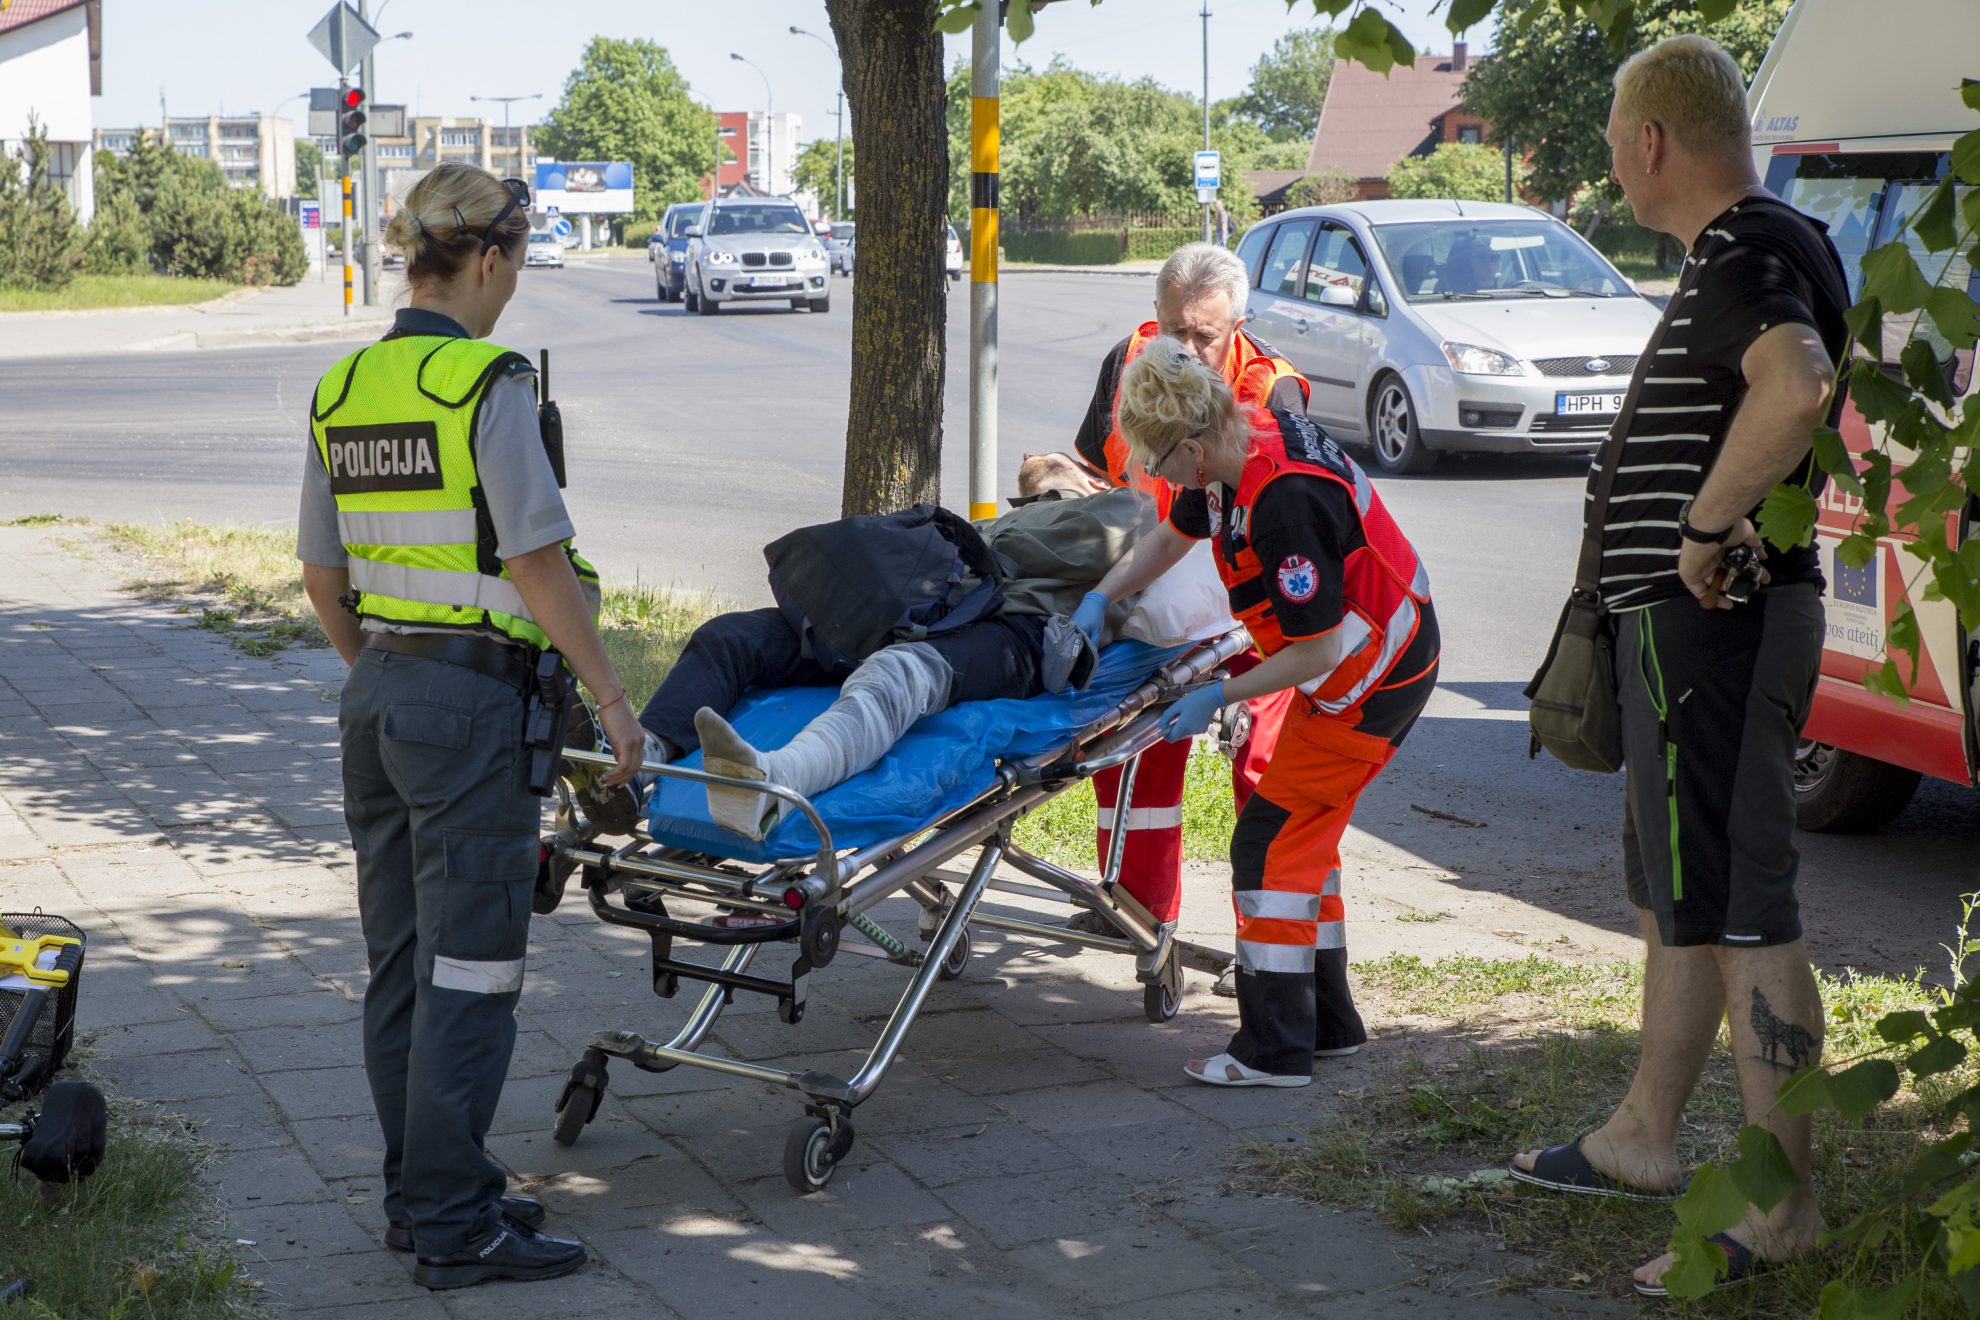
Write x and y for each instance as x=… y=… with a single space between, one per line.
x=350 y=123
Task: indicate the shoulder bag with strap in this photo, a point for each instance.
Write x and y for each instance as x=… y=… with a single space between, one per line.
x=1574 y=712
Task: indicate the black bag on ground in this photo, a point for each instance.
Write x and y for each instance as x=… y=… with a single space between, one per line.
x=852 y=586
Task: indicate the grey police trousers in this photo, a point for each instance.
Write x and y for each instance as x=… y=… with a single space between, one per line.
x=445 y=829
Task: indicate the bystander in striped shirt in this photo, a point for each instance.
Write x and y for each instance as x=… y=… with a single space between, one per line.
x=1758 y=264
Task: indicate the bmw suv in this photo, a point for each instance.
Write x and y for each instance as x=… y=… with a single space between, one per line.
x=755 y=249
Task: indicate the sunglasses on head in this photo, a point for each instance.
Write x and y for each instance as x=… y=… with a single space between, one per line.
x=518 y=196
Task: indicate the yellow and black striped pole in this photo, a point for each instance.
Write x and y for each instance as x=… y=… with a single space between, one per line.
x=346 y=241
x=983 y=139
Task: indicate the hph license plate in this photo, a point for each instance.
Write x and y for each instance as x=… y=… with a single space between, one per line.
x=1587 y=405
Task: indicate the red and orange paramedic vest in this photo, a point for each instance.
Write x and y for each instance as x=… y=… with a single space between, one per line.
x=1383 y=583
x=1252 y=370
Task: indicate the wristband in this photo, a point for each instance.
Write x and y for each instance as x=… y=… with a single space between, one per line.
x=1690 y=533
x=605 y=706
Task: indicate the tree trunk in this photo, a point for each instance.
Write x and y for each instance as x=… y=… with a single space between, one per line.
x=891 y=55
x=1595 y=220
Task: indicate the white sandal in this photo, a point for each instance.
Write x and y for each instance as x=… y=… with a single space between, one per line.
x=1223 y=1070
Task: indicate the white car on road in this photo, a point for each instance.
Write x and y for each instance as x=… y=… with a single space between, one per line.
x=755 y=249
x=1432 y=327
x=545 y=249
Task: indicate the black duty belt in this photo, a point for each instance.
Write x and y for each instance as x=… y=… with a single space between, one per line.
x=507 y=664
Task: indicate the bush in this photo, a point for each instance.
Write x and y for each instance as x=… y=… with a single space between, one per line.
x=119 y=241
x=1089 y=247
x=1322 y=188
x=191 y=221
x=40 y=242
x=1465 y=171
x=1157 y=243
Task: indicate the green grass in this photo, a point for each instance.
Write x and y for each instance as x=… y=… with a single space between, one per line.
x=1062 y=829
x=139 y=1238
x=88 y=292
x=1496 y=1056
x=35 y=520
x=246 y=581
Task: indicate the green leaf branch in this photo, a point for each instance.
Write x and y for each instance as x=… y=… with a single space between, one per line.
x=1925 y=435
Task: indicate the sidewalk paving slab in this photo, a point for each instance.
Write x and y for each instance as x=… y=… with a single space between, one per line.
x=1034 y=1150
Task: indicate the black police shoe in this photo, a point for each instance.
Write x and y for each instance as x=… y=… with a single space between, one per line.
x=613 y=808
x=522 y=1209
x=508 y=1251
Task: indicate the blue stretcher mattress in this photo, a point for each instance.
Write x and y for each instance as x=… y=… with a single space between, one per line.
x=944 y=762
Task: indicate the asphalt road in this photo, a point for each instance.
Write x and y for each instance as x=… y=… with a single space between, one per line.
x=694 y=440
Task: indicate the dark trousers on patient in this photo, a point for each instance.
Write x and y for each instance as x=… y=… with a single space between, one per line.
x=732 y=653
x=444 y=826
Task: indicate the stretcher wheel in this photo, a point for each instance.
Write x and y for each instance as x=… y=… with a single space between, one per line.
x=1161 y=997
x=958 y=960
x=812 y=1150
x=578 y=1105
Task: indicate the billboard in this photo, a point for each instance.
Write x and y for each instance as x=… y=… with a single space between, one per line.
x=586 y=187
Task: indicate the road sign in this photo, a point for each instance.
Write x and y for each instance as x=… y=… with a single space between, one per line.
x=324 y=107
x=561 y=226
x=1205 y=196
x=312 y=215
x=343 y=37
x=1209 y=170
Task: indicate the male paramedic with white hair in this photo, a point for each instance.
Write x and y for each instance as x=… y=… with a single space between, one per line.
x=1199 y=302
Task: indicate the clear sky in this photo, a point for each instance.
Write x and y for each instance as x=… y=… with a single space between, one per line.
x=238 y=56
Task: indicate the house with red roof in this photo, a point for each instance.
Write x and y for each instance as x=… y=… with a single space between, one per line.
x=1369 y=121
x=51 y=63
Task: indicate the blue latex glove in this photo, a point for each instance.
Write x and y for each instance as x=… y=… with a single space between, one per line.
x=1192 y=715
x=1091 y=616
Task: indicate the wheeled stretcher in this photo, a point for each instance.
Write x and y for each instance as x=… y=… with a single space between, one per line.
x=805 y=891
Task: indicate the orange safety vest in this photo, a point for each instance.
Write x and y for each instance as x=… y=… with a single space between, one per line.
x=1383 y=583
x=1251 y=368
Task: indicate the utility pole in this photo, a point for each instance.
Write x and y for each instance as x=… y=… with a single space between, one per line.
x=985 y=143
x=1206 y=105
x=1509 y=149
x=368 y=174
x=839 y=146
x=769 y=129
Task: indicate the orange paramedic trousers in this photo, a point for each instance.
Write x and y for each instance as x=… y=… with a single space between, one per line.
x=1292 y=986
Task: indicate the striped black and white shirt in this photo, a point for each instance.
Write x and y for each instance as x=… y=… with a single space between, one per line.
x=1757 y=265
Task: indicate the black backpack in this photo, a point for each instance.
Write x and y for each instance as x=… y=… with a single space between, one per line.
x=850 y=587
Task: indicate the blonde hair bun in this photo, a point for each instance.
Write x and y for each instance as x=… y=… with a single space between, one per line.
x=1167 y=396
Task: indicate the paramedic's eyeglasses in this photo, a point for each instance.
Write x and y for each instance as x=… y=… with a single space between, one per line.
x=1153 y=467
x=518 y=196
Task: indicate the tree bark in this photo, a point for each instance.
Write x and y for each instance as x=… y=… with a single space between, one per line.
x=891 y=55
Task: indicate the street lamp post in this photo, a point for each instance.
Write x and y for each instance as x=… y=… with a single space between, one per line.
x=508 y=101
x=769 y=127
x=839 y=145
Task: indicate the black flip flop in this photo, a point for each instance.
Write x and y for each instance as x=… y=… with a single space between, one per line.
x=1566 y=1169
x=1742 y=1266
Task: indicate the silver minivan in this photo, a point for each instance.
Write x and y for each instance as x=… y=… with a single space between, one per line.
x=1432 y=327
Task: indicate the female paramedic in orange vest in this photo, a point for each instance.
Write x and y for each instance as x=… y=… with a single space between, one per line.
x=437 y=552
x=1338 y=605
x=1199 y=302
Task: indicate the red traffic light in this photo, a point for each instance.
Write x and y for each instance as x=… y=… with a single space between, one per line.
x=353 y=97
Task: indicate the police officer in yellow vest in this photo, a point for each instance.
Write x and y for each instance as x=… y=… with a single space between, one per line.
x=437 y=553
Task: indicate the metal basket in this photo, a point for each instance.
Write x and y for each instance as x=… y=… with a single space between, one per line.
x=32 y=1067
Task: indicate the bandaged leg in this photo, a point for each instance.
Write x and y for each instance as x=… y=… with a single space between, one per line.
x=892 y=689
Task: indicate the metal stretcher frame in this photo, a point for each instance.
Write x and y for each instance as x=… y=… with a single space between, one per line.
x=820 y=904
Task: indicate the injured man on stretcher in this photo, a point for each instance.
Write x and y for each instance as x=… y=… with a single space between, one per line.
x=854 y=611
